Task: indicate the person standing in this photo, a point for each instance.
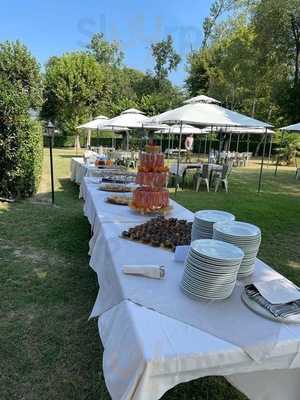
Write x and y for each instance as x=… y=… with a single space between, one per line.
x=188 y=144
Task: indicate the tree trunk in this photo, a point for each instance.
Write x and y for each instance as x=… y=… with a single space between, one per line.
x=295 y=22
x=297 y=64
x=253 y=107
x=258 y=146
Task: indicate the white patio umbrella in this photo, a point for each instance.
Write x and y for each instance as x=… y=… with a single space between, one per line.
x=98 y=124
x=133 y=119
x=295 y=128
x=208 y=114
x=291 y=128
x=202 y=99
x=185 y=130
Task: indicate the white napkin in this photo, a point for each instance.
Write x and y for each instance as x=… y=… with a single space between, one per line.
x=149 y=271
x=278 y=291
x=181 y=253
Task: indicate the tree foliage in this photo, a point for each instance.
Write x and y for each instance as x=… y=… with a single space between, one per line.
x=76 y=88
x=108 y=53
x=251 y=58
x=166 y=58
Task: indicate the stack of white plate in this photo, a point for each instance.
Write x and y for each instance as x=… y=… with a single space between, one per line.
x=246 y=236
x=204 y=221
x=211 y=269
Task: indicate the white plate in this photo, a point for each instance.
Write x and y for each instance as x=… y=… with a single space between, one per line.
x=217 y=250
x=198 y=297
x=212 y=216
x=237 y=228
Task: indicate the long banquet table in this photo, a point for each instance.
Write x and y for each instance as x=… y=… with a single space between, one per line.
x=78 y=170
x=147 y=352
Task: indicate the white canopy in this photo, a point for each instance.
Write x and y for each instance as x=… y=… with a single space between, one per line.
x=292 y=128
x=239 y=130
x=130 y=118
x=99 y=123
x=207 y=114
x=202 y=99
x=186 y=130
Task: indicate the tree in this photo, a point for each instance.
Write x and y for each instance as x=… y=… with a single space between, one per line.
x=217 y=9
x=166 y=58
x=76 y=88
x=105 y=52
x=19 y=67
x=197 y=81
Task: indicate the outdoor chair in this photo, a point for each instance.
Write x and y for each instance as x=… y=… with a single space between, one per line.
x=203 y=176
x=223 y=177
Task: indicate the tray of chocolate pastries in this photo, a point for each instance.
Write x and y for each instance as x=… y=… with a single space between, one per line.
x=161 y=232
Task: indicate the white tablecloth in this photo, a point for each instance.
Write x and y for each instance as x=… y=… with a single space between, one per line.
x=146 y=352
x=78 y=170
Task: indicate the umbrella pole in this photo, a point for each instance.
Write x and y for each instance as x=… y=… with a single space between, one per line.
x=205 y=144
x=229 y=144
x=178 y=159
x=199 y=148
x=220 y=143
x=277 y=161
x=209 y=147
x=127 y=141
x=270 y=149
x=237 y=143
x=262 y=164
x=169 y=143
x=161 y=142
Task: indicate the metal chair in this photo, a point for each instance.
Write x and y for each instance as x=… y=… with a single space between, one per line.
x=203 y=176
x=223 y=177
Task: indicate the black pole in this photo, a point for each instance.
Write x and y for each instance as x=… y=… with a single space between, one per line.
x=270 y=149
x=178 y=159
x=229 y=145
x=277 y=161
x=205 y=144
x=237 y=142
x=262 y=164
x=220 y=143
x=209 y=146
x=199 y=148
x=51 y=168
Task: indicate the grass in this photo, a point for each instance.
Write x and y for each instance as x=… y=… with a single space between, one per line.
x=49 y=349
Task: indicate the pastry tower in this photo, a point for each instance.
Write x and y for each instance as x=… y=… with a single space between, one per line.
x=152 y=176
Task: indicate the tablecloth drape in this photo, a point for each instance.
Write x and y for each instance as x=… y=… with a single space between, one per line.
x=146 y=352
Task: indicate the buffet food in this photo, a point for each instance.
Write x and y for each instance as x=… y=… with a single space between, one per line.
x=161 y=232
x=152 y=195
x=119 y=200
x=115 y=187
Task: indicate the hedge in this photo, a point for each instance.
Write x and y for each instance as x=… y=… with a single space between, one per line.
x=21 y=145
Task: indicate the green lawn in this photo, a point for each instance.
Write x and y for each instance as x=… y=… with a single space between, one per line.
x=48 y=348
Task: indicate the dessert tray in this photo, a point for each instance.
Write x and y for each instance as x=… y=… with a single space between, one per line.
x=161 y=232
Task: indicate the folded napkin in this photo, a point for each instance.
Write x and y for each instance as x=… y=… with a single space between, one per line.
x=279 y=310
x=181 y=253
x=149 y=271
x=278 y=291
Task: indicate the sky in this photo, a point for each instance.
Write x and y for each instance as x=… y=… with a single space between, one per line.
x=52 y=27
